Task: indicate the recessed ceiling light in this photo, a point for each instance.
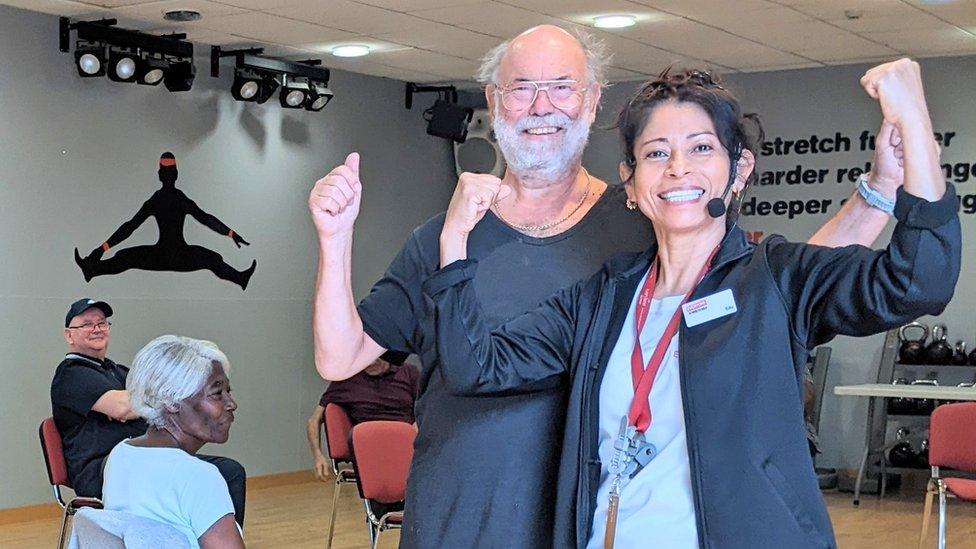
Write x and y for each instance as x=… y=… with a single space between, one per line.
x=350 y=50
x=182 y=16
x=614 y=21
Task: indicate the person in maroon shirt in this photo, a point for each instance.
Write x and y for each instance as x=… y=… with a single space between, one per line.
x=385 y=390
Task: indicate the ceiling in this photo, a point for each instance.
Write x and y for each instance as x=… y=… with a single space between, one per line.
x=442 y=40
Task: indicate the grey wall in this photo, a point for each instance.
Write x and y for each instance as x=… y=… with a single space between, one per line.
x=79 y=156
x=794 y=105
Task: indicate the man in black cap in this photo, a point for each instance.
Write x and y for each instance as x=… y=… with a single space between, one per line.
x=91 y=406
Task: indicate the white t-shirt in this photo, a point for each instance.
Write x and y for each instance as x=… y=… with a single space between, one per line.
x=656 y=508
x=167 y=485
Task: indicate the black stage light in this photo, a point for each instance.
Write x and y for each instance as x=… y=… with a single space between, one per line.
x=294 y=92
x=303 y=83
x=122 y=64
x=90 y=58
x=319 y=96
x=448 y=120
x=179 y=76
x=250 y=85
x=129 y=55
x=150 y=70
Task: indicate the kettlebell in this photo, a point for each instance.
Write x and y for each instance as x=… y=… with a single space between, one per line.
x=924 y=406
x=901 y=405
x=922 y=459
x=911 y=350
x=902 y=454
x=939 y=351
x=959 y=358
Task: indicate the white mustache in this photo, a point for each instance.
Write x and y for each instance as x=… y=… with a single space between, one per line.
x=554 y=119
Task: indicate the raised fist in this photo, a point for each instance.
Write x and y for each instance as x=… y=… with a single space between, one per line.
x=474 y=194
x=898 y=88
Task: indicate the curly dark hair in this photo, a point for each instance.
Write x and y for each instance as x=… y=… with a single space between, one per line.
x=703 y=89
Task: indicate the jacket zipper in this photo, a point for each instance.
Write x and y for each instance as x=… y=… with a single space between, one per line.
x=583 y=499
x=693 y=456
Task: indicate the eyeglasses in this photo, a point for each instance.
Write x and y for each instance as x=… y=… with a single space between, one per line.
x=90 y=327
x=563 y=94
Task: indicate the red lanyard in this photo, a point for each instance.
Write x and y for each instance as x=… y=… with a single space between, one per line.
x=640 y=408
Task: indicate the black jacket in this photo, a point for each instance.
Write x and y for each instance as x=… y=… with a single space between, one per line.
x=741 y=375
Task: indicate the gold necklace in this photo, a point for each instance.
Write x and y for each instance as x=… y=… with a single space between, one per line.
x=551 y=224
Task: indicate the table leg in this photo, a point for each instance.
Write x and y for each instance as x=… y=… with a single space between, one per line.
x=867 y=452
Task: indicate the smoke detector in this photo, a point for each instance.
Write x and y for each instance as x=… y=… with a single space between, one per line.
x=182 y=16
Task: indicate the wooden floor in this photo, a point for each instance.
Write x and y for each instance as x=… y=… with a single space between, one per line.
x=295 y=516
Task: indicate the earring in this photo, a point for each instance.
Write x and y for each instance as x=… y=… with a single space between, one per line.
x=631 y=204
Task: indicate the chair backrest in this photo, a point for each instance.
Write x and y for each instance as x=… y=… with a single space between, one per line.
x=821 y=360
x=952 y=436
x=104 y=529
x=383 y=450
x=338 y=426
x=57 y=469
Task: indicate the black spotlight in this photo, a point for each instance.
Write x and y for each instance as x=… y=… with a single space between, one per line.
x=122 y=64
x=303 y=83
x=448 y=120
x=179 y=76
x=250 y=85
x=90 y=59
x=127 y=55
x=319 y=96
x=150 y=70
x=294 y=92
x=445 y=118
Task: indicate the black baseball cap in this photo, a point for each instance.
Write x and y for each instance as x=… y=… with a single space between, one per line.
x=83 y=305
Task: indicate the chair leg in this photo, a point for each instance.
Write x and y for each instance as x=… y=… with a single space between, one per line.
x=376 y=539
x=332 y=519
x=927 y=513
x=942 y=516
x=64 y=528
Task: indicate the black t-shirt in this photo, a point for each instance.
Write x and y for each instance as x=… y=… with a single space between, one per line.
x=88 y=436
x=484 y=468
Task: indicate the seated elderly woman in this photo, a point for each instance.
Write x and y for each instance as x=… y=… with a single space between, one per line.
x=704 y=329
x=180 y=386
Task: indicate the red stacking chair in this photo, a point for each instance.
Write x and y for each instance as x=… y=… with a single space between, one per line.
x=57 y=474
x=338 y=429
x=952 y=444
x=383 y=450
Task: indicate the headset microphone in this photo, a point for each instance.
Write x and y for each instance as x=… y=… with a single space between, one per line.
x=716 y=206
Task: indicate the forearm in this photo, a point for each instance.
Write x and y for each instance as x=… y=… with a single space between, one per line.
x=923 y=174
x=341 y=345
x=527 y=354
x=115 y=404
x=855 y=223
x=454 y=247
x=313 y=431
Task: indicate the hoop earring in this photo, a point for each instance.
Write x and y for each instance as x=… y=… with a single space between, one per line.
x=631 y=204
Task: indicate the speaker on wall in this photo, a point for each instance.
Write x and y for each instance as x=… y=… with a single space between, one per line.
x=480 y=152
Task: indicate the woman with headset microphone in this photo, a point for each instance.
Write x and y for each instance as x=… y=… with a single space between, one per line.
x=684 y=422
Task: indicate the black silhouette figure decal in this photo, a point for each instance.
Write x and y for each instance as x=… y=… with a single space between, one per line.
x=171 y=253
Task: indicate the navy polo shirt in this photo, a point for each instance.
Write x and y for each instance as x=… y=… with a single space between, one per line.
x=88 y=436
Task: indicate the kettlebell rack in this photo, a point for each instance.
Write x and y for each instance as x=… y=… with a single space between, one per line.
x=908 y=413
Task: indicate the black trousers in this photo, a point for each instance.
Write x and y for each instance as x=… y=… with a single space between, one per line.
x=233 y=472
x=90 y=482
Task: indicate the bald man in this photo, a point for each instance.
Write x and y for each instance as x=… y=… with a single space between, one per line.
x=484 y=469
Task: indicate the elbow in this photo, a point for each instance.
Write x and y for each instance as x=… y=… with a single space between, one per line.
x=332 y=370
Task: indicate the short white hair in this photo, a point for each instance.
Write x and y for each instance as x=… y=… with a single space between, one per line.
x=597 y=60
x=170 y=369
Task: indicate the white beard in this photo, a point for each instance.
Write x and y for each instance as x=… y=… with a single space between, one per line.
x=548 y=160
